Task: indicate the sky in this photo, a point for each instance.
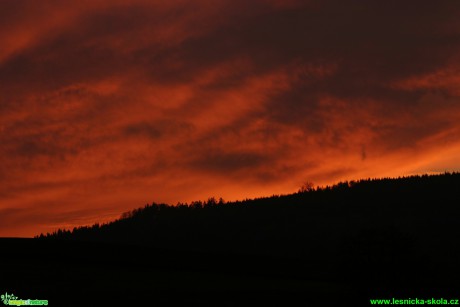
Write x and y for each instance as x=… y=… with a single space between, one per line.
x=108 y=105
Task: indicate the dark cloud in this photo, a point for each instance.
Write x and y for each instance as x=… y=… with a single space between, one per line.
x=158 y=129
x=227 y=163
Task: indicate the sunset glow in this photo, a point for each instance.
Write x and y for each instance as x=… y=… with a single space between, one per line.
x=106 y=106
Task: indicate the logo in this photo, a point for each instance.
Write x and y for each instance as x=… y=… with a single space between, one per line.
x=11 y=300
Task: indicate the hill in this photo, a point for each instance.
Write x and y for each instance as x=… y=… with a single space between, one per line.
x=383 y=217
x=352 y=241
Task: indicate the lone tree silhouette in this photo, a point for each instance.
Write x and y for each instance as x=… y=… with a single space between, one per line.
x=307 y=186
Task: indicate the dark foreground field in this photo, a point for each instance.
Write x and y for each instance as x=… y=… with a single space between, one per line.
x=89 y=274
x=341 y=245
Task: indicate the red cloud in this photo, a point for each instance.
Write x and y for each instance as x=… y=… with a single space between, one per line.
x=108 y=105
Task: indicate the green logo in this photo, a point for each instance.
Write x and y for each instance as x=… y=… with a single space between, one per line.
x=11 y=300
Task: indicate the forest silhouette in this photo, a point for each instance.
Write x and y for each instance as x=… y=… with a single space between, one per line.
x=363 y=238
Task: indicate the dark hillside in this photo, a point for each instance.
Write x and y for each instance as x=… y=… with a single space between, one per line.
x=340 y=245
x=378 y=236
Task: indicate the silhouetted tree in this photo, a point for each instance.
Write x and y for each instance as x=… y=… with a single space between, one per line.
x=306 y=187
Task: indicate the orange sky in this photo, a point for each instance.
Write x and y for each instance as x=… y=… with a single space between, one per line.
x=108 y=105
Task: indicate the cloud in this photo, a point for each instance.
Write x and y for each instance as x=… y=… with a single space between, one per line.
x=156 y=130
x=444 y=80
x=108 y=104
